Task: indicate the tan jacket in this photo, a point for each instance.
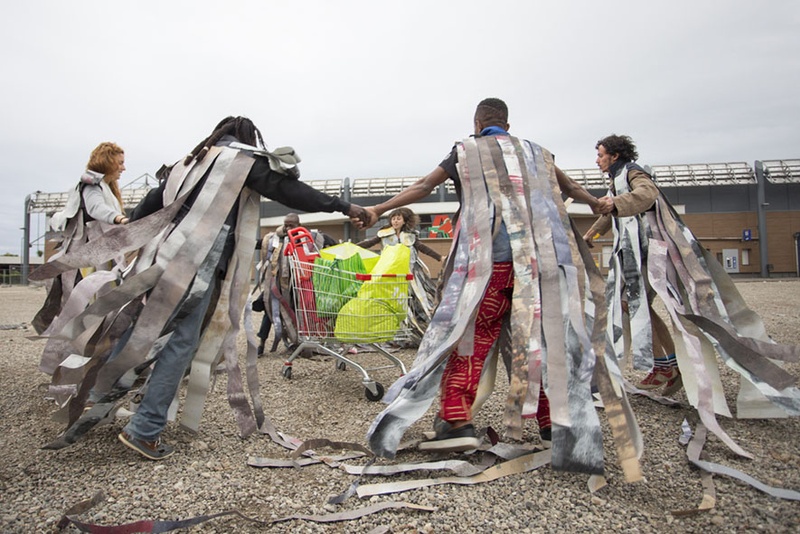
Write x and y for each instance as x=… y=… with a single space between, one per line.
x=639 y=199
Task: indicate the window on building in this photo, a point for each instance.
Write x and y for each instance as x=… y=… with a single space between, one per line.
x=745 y=256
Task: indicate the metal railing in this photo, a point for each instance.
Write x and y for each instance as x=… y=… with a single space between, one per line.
x=132 y=193
x=785 y=171
x=782 y=171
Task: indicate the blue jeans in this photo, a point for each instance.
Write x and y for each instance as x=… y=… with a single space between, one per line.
x=150 y=419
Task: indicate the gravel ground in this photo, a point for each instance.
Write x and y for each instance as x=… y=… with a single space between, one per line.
x=209 y=472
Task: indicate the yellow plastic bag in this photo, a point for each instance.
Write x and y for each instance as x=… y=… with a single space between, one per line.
x=380 y=306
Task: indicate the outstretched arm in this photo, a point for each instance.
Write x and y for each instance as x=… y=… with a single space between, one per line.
x=297 y=195
x=413 y=193
x=600 y=226
x=574 y=190
x=369 y=243
x=428 y=251
x=641 y=197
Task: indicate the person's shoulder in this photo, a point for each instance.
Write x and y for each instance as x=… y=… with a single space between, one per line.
x=92 y=177
x=636 y=169
x=450 y=160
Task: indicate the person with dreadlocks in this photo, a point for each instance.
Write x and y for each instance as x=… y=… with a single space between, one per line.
x=402 y=229
x=514 y=281
x=184 y=297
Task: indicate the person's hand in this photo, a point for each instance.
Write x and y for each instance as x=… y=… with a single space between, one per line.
x=371 y=217
x=357 y=214
x=120 y=219
x=604 y=206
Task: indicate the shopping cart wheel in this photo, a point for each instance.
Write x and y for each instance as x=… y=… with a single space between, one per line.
x=287 y=372
x=341 y=366
x=378 y=395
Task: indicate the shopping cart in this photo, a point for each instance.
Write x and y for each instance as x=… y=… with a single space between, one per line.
x=338 y=308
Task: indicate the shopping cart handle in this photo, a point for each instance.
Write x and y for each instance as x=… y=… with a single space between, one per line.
x=363 y=277
x=301 y=244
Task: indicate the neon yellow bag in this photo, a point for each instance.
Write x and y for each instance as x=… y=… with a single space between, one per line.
x=380 y=306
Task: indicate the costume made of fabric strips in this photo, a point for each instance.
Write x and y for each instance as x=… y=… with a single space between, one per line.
x=550 y=334
x=423 y=288
x=277 y=285
x=655 y=253
x=205 y=230
x=89 y=212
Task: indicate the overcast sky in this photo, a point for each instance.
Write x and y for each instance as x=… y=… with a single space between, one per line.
x=380 y=89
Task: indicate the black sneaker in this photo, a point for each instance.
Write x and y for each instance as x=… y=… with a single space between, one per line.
x=452 y=440
x=440 y=426
x=546 y=435
x=153 y=450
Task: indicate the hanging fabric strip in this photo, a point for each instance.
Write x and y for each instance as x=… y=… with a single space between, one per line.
x=631 y=251
x=621 y=419
x=241 y=269
x=577 y=445
x=120 y=239
x=506 y=183
x=412 y=394
x=180 y=256
x=705 y=409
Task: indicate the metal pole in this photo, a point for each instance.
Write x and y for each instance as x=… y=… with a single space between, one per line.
x=26 y=242
x=761 y=211
x=346 y=197
x=797 y=253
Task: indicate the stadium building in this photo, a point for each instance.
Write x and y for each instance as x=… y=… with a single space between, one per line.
x=747 y=216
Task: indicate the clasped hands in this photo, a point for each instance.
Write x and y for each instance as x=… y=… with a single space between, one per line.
x=362 y=217
x=604 y=206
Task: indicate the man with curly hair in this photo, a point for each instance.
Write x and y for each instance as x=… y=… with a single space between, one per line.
x=615 y=153
x=655 y=253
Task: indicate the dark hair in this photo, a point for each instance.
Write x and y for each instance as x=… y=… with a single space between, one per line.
x=492 y=112
x=241 y=128
x=621 y=145
x=411 y=219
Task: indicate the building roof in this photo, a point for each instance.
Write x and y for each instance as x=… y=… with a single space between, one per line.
x=785 y=171
x=694 y=174
x=782 y=171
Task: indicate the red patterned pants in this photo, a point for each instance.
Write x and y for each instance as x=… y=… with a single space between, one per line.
x=463 y=372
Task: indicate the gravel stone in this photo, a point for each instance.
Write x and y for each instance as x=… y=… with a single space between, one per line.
x=209 y=472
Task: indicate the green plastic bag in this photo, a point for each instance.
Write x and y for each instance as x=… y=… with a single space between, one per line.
x=335 y=283
x=376 y=312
